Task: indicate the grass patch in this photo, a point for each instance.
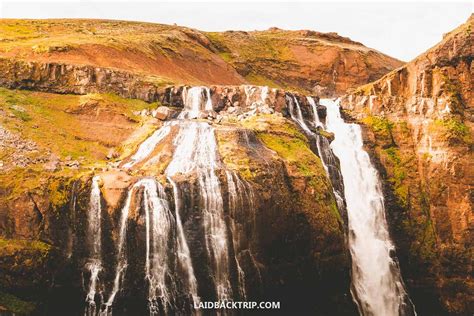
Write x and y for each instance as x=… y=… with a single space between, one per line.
x=64 y=125
x=291 y=145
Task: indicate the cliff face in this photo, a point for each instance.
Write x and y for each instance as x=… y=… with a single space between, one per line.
x=419 y=124
x=322 y=63
x=290 y=234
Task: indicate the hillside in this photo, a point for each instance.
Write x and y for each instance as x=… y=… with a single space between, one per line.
x=323 y=63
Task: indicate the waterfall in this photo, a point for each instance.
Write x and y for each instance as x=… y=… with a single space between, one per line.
x=94 y=264
x=377 y=286
x=184 y=255
x=194 y=102
x=121 y=256
x=240 y=193
x=328 y=160
x=159 y=223
x=316 y=120
x=146 y=148
x=196 y=153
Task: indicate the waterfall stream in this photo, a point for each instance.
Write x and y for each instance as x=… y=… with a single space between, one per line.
x=219 y=199
x=196 y=152
x=195 y=160
x=94 y=264
x=328 y=160
x=377 y=285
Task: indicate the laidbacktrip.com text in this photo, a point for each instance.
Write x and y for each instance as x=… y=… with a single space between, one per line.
x=236 y=305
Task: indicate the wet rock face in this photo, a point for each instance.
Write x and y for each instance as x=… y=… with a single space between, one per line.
x=419 y=129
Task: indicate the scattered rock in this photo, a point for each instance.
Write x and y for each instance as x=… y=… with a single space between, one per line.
x=112 y=154
x=163 y=113
x=52 y=164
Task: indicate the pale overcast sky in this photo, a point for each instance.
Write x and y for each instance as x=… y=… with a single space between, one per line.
x=400 y=29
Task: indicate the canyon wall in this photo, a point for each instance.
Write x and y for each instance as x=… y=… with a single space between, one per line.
x=419 y=127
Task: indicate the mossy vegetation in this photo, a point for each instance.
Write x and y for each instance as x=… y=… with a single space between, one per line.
x=398 y=174
x=381 y=126
x=23 y=264
x=453 y=130
x=8 y=246
x=15 y=305
x=398 y=163
x=283 y=137
x=452 y=89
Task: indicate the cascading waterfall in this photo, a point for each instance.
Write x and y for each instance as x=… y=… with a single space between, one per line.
x=184 y=255
x=160 y=228
x=159 y=224
x=196 y=155
x=94 y=264
x=196 y=152
x=240 y=192
x=121 y=257
x=146 y=148
x=194 y=102
x=314 y=107
x=325 y=153
x=377 y=286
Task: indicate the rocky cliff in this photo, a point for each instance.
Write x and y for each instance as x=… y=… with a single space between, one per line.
x=323 y=63
x=419 y=126
x=290 y=233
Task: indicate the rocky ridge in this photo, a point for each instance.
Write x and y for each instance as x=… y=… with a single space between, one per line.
x=309 y=61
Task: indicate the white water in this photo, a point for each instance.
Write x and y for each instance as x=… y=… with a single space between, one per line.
x=121 y=256
x=316 y=120
x=240 y=193
x=159 y=223
x=294 y=106
x=195 y=99
x=146 y=148
x=377 y=286
x=94 y=264
x=196 y=153
x=184 y=255
x=322 y=144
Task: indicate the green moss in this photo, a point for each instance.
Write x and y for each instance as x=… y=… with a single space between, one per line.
x=21 y=114
x=14 y=245
x=58 y=192
x=283 y=137
x=398 y=173
x=453 y=130
x=380 y=125
x=260 y=80
x=16 y=305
